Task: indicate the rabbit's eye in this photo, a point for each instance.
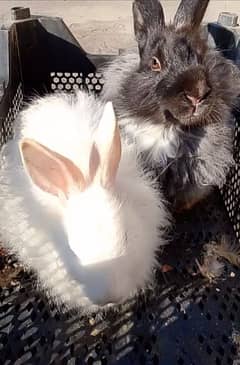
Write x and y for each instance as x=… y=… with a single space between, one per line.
x=155 y=64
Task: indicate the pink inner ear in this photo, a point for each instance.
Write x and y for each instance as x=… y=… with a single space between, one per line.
x=94 y=163
x=110 y=161
x=108 y=144
x=50 y=171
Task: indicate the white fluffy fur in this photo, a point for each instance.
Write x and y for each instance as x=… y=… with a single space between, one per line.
x=102 y=247
x=159 y=142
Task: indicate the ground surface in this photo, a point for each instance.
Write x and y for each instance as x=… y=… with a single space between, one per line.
x=103 y=26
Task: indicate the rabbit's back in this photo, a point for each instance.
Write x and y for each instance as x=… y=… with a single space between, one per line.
x=116 y=73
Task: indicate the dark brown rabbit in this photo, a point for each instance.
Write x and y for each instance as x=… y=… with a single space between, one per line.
x=174 y=99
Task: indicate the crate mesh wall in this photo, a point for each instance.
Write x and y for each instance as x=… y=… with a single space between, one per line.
x=181 y=319
x=231 y=191
x=72 y=81
x=7 y=123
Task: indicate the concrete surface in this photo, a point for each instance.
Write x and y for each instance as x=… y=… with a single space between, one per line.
x=104 y=26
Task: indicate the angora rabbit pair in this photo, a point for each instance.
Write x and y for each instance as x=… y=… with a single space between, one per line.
x=174 y=99
x=75 y=204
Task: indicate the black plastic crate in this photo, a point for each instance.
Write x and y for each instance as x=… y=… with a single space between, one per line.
x=182 y=319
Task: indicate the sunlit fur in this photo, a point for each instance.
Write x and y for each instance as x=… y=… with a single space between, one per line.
x=101 y=246
x=192 y=148
x=153 y=134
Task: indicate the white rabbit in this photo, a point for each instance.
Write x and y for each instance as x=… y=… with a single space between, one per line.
x=75 y=206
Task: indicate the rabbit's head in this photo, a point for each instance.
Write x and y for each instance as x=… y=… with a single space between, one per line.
x=110 y=215
x=179 y=80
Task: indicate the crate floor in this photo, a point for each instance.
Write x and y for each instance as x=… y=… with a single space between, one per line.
x=181 y=320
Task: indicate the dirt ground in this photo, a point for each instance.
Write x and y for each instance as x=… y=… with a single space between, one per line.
x=103 y=26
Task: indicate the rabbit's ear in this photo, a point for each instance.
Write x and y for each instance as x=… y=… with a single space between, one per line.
x=107 y=149
x=50 y=171
x=147 y=14
x=190 y=13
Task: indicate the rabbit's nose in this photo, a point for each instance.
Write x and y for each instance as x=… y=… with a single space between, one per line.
x=194 y=100
x=200 y=92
